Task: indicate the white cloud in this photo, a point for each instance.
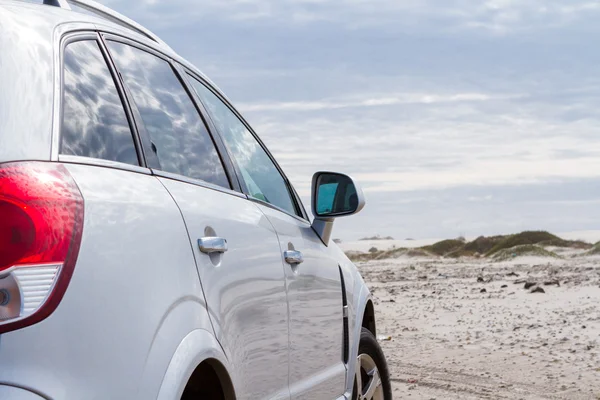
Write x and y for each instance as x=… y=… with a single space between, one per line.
x=386 y=100
x=441 y=145
x=488 y=197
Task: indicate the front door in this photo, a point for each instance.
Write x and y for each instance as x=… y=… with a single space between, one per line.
x=317 y=369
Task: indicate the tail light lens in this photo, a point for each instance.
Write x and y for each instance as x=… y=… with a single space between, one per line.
x=41 y=222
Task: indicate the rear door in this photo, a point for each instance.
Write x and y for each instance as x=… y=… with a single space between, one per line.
x=236 y=248
x=317 y=369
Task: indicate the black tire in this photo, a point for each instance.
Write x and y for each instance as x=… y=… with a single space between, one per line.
x=368 y=345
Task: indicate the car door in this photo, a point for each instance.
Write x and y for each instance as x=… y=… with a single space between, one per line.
x=236 y=249
x=317 y=369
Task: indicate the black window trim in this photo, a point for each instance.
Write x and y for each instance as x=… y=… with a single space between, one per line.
x=224 y=158
x=144 y=139
x=301 y=213
x=300 y=204
x=81 y=36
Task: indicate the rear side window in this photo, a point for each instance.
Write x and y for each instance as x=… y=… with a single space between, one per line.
x=94 y=123
x=183 y=144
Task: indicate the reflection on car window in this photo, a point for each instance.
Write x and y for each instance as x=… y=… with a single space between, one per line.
x=182 y=141
x=94 y=123
x=263 y=180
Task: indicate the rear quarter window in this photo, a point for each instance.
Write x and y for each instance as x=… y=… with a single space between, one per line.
x=94 y=123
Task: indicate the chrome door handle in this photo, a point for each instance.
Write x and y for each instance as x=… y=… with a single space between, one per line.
x=293 y=257
x=212 y=244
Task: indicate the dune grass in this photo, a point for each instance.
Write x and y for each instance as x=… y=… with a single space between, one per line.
x=595 y=250
x=523 y=250
x=392 y=253
x=445 y=246
x=541 y=238
x=483 y=244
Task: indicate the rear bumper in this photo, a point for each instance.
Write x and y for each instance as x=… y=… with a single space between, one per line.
x=16 y=393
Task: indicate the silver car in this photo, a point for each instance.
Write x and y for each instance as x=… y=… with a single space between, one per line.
x=150 y=245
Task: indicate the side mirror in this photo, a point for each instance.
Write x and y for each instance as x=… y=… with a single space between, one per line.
x=333 y=195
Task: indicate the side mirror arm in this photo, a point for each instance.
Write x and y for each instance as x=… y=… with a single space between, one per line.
x=323 y=227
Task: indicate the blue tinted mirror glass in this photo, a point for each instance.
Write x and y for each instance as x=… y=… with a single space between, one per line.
x=326 y=198
x=335 y=195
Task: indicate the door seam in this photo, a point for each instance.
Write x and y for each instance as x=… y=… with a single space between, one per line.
x=287 y=299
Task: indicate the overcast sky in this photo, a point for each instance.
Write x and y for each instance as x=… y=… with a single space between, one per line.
x=457 y=116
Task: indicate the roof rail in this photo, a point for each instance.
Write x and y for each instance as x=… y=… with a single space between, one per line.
x=109 y=14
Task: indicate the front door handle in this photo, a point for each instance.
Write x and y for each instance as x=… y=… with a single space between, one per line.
x=293 y=257
x=211 y=244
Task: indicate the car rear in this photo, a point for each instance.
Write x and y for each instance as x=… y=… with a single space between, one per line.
x=98 y=284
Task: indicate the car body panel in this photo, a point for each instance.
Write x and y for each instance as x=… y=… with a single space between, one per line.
x=133 y=297
x=315 y=311
x=244 y=287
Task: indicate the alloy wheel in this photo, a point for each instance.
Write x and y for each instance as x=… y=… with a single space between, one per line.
x=368 y=380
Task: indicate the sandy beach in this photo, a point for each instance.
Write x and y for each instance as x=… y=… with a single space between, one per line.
x=468 y=329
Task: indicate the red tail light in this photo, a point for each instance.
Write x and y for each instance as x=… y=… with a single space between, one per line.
x=41 y=221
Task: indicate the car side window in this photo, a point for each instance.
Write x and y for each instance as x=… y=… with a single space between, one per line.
x=261 y=176
x=183 y=144
x=94 y=123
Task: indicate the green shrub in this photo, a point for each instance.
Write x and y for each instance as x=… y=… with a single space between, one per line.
x=575 y=244
x=483 y=244
x=523 y=250
x=527 y=237
x=595 y=249
x=444 y=247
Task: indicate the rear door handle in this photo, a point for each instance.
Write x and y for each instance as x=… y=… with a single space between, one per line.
x=212 y=244
x=293 y=257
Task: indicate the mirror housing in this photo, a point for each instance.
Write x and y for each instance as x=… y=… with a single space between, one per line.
x=334 y=195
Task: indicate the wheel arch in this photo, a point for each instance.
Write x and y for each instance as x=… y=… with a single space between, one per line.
x=198 y=348
x=368 y=319
x=364 y=314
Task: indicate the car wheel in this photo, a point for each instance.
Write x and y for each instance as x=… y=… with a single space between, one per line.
x=372 y=378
